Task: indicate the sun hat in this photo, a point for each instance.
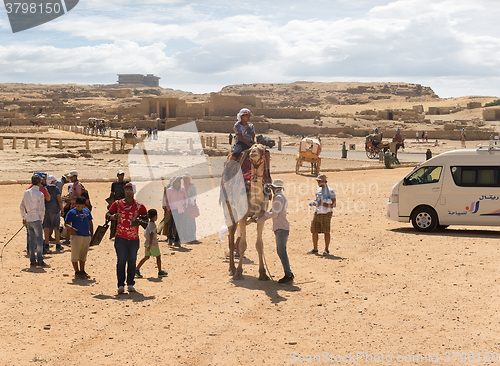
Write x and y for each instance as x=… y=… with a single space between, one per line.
x=120 y=172
x=277 y=183
x=322 y=177
x=73 y=173
x=51 y=180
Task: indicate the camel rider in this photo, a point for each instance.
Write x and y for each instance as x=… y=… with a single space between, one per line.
x=245 y=137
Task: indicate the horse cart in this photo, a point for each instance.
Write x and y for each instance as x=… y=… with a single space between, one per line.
x=309 y=151
x=374 y=145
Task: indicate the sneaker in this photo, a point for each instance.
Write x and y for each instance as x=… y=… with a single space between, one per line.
x=42 y=264
x=326 y=252
x=177 y=244
x=66 y=242
x=121 y=290
x=162 y=274
x=286 y=279
x=170 y=241
x=314 y=251
x=59 y=247
x=33 y=264
x=130 y=288
x=138 y=274
x=46 y=250
x=78 y=274
x=84 y=275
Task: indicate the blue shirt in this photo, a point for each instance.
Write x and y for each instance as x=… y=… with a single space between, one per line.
x=80 y=221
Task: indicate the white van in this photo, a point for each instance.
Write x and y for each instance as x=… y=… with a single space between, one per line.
x=460 y=187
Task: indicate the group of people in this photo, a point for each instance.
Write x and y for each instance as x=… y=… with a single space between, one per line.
x=43 y=204
x=41 y=208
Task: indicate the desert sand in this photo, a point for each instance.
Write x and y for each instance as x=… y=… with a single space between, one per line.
x=386 y=292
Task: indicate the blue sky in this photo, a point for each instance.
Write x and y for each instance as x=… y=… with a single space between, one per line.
x=451 y=46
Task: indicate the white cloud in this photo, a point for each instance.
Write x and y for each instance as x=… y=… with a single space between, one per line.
x=224 y=42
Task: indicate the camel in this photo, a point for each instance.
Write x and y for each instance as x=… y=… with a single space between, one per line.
x=129 y=138
x=256 y=200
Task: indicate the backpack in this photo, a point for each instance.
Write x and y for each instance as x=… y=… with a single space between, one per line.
x=85 y=194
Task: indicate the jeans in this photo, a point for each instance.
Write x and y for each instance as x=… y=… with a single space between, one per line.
x=126 y=252
x=281 y=239
x=35 y=240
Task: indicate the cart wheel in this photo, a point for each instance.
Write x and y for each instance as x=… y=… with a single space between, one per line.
x=372 y=154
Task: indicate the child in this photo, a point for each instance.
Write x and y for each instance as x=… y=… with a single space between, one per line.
x=78 y=221
x=151 y=245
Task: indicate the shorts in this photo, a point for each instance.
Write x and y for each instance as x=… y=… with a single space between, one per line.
x=321 y=223
x=51 y=220
x=154 y=252
x=79 y=248
x=239 y=147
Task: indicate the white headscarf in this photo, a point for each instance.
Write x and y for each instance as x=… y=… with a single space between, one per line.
x=242 y=112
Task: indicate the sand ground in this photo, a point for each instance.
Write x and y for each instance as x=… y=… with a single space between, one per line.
x=386 y=290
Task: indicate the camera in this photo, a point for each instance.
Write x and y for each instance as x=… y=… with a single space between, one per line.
x=140 y=220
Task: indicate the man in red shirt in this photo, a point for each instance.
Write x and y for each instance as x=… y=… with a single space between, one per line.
x=126 y=211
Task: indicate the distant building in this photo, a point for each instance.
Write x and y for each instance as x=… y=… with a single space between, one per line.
x=139 y=79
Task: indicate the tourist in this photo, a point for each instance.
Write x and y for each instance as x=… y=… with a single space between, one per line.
x=230 y=139
x=62 y=181
x=325 y=202
x=76 y=188
x=151 y=245
x=79 y=223
x=126 y=211
x=416 y=133
x=192 y=210
x=134 y=131
x=426 y=137
x=245 y=133
x=117 y=193
x=32 y=211
x=281 y=227
x=177 y=201
x=53 y=210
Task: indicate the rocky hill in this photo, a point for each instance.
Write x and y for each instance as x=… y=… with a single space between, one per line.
x=317 y=94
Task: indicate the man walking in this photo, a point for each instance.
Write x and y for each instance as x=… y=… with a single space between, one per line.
x=117 y=193
x=281 y=227
x=32 y=211
x=325 y=202
x=126 y=211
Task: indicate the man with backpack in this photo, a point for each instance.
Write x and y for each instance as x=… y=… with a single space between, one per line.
x=78 y=190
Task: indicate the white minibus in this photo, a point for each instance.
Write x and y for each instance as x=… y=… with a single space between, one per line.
x=460 y=187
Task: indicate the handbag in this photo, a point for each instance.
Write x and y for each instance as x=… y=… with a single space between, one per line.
x=193 y=210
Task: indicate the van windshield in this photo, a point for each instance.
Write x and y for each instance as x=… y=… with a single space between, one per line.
x=425 y=175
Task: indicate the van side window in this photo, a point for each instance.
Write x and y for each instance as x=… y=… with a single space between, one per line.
x=476 y=176
x=425 y=175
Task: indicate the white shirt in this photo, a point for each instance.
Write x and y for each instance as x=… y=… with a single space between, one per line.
x=278 y=212
x=32 y=205
x=324 y=195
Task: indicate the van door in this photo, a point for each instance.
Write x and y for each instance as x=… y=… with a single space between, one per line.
x=422 y=187
x=472 y=195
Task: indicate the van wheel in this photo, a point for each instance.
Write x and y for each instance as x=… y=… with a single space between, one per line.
x=424 y=219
